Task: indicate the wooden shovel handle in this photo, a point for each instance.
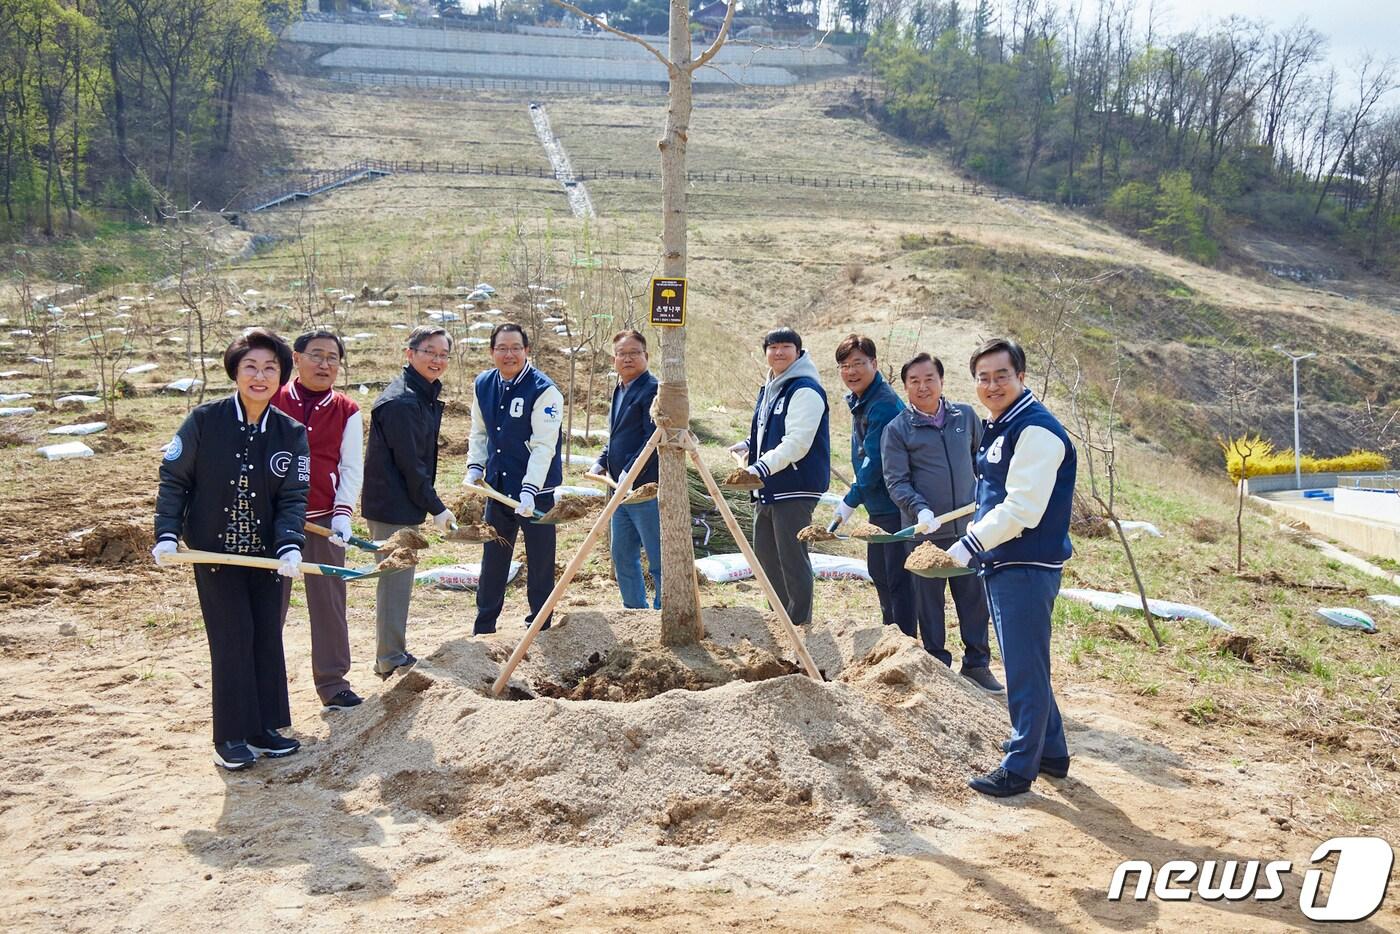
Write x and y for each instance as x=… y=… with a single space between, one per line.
x=501 y=498
x=219 y=557
x=601 y=478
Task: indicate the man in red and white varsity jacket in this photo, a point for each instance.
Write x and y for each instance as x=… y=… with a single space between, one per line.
x=335 y=432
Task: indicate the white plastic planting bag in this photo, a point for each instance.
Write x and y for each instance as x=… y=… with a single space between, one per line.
x=459 y=576
x=724 y=569
x=59 y=452
x=17 y=410
x=76 y=399
x=1388 y=599
x=184 y=384
x=1125 y=602
x=578 y=491
x=836 y=567
x=86 y=428
x=1132 y=527
x=139 y=368
x=15 y=396
x=1346 y=618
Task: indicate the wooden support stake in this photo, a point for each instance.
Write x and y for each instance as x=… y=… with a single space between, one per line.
x=624 y=486
x=807 y=664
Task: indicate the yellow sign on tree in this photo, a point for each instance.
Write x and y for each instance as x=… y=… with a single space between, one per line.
x=668 y=303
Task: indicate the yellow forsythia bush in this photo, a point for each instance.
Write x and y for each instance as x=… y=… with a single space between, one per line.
x=1262 y=460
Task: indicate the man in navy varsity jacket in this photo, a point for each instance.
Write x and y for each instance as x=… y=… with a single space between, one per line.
x=335 y=431
x=630 y=426
x=789 y=448
x=514 y=447
x=1025 y=485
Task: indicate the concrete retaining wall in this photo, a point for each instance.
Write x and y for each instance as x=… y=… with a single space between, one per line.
x=1312 y=481
x=556 y=47
x=1377 y=539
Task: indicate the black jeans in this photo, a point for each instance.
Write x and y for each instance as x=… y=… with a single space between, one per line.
x=242 y=610
x=495 y=563
x=970 y=599
x=893 y=584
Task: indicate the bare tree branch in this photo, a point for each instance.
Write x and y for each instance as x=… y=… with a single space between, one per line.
x=618 y=32
x=714 y=48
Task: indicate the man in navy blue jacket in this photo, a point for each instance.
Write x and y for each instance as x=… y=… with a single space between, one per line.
x=629 y=428
x=515 y=447
x=873 y=405
x=1020 y=536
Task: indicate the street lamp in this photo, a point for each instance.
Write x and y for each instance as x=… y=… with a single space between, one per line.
x=1297 y=452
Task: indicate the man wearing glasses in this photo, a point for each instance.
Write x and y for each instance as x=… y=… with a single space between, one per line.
x=1020 y=536
x=630 y=426
x=400 y=471
x=335 y=432
x=515 y=448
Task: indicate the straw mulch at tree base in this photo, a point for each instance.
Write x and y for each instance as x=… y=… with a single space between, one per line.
x=928 y=555
x=741 y=479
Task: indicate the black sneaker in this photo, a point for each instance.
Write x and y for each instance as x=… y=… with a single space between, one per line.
x=344 y=701
x=1054 y=766
x=408 y=662
x=984 y=679
x=233 y=755
x=273 y=744
x=1000 y=783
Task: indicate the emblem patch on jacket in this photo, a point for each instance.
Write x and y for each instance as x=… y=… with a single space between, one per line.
x=551 y=412
x=304 y=468
x=778 y=407
x=517 y=407
x=174 y=449
x=280 y=463
x=994 y=452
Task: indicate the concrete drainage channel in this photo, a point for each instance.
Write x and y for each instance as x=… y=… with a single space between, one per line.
x=579 y=202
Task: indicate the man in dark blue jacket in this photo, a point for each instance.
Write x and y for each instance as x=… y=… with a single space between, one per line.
x=400 y=473
x=1025 y=486
x=629 y=428
x=515 y=447
x=873 y=404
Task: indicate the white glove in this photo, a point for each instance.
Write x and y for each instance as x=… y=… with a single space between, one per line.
x=291 y=563
x=843 y=512
x=960 y=554
x=474 y=475
x=928 y=521
x=340 y=525
x=445 y=520
x=596 y=470
x=163 y=548
x=740 y=452
x=753 y=470
x=527 y=505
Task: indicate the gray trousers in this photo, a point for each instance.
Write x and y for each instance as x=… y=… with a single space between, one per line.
x=784 y=558
x=325 y=602
x=391 y=598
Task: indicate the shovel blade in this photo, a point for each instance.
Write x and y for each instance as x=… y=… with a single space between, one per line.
x=903 y=535
x=942 y=572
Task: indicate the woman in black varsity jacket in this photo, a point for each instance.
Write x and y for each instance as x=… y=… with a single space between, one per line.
x=234 y=479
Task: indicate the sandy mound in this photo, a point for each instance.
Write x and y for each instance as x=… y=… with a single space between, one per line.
x=889 y=742
x=113 y=543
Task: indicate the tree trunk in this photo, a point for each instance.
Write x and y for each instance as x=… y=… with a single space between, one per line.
x=680 y=603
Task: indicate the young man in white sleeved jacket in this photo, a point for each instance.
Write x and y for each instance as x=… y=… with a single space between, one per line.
x=1020 y=537
x=515 y=447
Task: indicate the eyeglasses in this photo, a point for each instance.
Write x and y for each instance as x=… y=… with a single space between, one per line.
x=629 y=355
x=854 y=365
x=323 y=359
x=1000 y=379
x=508 y=348
x=435 y=357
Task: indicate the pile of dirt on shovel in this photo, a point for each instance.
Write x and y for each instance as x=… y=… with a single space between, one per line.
x=738 y=744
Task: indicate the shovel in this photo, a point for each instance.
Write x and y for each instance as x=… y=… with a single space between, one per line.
x=505 y=500
x=906 y=535
x=632 y=498
x=271 y=564
x=362 y=543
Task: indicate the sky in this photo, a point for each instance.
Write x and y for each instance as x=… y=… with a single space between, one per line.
x=1352 y=27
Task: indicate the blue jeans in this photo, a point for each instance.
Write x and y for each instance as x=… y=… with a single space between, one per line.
x=634 y=527
x=1021 y=600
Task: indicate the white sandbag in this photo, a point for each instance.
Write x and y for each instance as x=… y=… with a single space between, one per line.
x=459 y=576
x=838 y=568
x=724 y=569
x=1389 y=599
x=1131 y=527
x=1124 y=602
x=478 y=341
x=84 y=428
x=76 y=399
x=578 y=491
x=11 y=374
x=17 y=410
x=59 y=452
x=139 y=368
x=15 y=396
x=184 y=384
x=581 y=460
x=1346 y=618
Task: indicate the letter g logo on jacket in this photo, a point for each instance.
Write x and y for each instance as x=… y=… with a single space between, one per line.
x=280 y=463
